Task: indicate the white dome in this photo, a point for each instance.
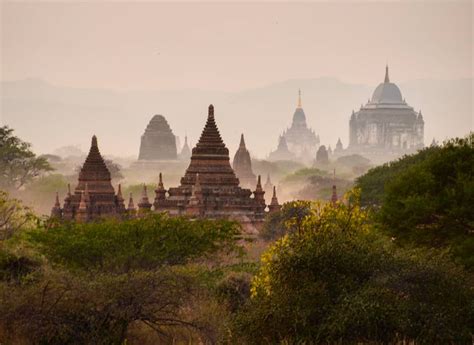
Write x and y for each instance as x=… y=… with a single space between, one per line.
x=387 y=93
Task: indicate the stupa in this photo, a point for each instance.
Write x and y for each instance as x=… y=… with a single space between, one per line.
x=94 y=196
x=158 y=142
x=185 y=151
x=210 y=187
x=242 y=165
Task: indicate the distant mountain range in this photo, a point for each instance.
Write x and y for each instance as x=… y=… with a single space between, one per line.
x=51 y=116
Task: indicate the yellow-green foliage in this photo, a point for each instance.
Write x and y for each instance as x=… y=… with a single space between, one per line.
x=338 y=281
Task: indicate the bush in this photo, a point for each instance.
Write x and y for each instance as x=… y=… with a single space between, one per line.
x=336 y=281
x=144 y=243
x=289 y=219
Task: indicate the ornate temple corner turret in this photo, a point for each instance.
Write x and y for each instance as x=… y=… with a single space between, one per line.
x=144 y=205
x=274 y=205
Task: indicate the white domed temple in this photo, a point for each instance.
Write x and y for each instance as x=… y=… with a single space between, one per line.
x=386 y=125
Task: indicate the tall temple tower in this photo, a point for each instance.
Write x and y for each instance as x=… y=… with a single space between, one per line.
x=242 y=165
x=301 y=140
x=209 y=187
x=386 y=124
x=94 y=197
x=158 y=142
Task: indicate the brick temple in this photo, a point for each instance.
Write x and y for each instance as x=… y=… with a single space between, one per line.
x=94 y=196
x=210 y=187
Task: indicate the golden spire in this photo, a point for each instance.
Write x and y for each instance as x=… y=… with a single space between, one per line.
x=299 y=98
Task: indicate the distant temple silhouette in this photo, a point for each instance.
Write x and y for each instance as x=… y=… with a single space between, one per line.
x=299 y=142
x=386 y=124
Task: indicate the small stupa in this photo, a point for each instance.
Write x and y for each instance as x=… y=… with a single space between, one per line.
x=242 y=165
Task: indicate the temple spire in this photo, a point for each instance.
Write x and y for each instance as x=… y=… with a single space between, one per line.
x=94 y=141
x=387 y=79
x=131 y=205
x=299 y=98
x=242 y=141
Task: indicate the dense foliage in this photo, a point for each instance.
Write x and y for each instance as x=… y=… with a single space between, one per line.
x=18 y=164
x=288 y=219
x=105 y=282
x=428 y=199
x=144 y=243
x=13 y=216
x=336 y=281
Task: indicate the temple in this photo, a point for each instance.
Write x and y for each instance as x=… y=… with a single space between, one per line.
x=242 y=165
x=210 y=187
x=301 y=140
x=158 y=142
x=282 y=153
x=322 y=156
x=185 y=153
x=268 y=187
x=94 y=196
x=386 y=125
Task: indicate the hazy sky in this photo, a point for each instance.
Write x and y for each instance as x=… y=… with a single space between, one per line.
x=232 y=46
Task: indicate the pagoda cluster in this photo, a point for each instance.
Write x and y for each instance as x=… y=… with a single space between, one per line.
x=209 y=188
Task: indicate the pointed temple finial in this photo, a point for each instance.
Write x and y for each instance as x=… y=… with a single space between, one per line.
x=94 y=141
x=259 y=182
x=299 y=98
x=160 y=181
x=387 y=79
x=69 y=189
x=210 y=110
x=119 y=191
x=274 y=204
x=131 y=205
x=242 y=141
x=57 y=204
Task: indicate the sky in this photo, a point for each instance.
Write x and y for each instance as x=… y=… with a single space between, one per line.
x=232 y=46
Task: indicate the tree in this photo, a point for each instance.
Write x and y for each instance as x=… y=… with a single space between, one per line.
x=288 y=219
x=144 y=243
x=62 y=308
x=114 y=169
x=339 y=282
x=18 y=164
x=13 y=216
x=431 y=201
x=373 y=183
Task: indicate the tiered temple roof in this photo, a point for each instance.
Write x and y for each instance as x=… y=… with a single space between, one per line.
x=301 y=140
x=94 y=197
x=242 y=165
x=209 y=187
x=282 y=153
